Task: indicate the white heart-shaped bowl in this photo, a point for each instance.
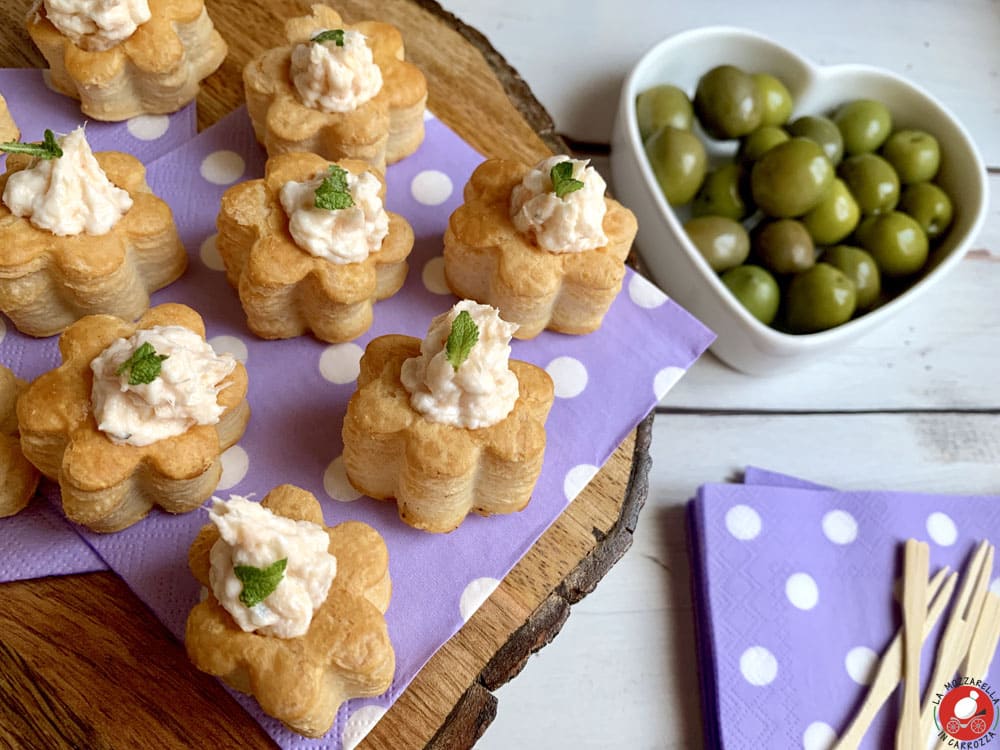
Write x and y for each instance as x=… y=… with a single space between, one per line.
x=676 y=265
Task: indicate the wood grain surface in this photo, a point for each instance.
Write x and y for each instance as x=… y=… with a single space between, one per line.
x=84 y=664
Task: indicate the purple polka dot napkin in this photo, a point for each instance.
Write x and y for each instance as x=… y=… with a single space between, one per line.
x=794 y=594
x=606 y=383
x=38 y=542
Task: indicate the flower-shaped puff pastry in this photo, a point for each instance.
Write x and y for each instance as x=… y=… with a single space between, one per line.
x=107 y=486
x=381 y=131
x=439 y=473
x=8 y=129
x=47 y=281
x=18 y=478
x=156 y=70
x=346 y=652
x=285 y=291
x=488 y=260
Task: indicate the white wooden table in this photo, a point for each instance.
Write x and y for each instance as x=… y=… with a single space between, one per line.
x=913 y=406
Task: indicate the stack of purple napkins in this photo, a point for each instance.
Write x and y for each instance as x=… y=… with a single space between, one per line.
x=794 y=595
x=605 y=384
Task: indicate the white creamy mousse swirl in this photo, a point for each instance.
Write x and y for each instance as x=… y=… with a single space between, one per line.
x=67 y=195
x=97 y=25
x=252 y=535
x=343 y=235
x=571 y=224
x=182 y=395
x=333 y=78
x=483 y=390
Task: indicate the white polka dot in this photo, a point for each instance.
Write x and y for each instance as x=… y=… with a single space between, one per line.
x=359 y=724
x=428 y=115
x=336 y=483
x=148 y=127
x=995 y=586
x=47 y=79
x=209 y=253
x=223 y=167
x=569 y=376
x=230 y=345
x=474 y=595
x=644 y=293
x=577 y=478
x=818 y=736
x=433 y=276
x=431 y=187
x=743 y=522
x=758 y=666
x=860 y=663
x=665 y=380
x=802 y=591
x=235 y=463
x=942 y=529
x=840 y=527
x=341 y=363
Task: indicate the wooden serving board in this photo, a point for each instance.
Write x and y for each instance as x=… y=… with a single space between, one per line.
x=84 y=664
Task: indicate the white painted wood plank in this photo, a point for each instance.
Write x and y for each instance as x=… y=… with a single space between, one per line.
x=575 y=55
x=622 y=674
x=940 y=353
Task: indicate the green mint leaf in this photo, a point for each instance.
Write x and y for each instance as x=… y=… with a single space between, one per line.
x=47 y=149
x=259 y=583
x=330 y=35
x=562 y=179
x=333 y=193
x=464 y=335
x=143 y=366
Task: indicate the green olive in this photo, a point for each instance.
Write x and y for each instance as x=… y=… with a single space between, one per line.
x=721 y=194
x=663 y=106
x=895 y=241
x=930 y=206
x=820 y=298
x=756 y=290
x=864 y=124
x=784 y=246
x=824 y=132
x=679 y=163
x=914 y=154
x=774 y=97
x=835 y=217
x=760 y=141
x=727 y=102
x=859 y=267
x=791 y=179
x=872 y=181
x=724 y=243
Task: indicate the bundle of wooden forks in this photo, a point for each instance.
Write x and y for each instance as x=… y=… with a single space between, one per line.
x=966 y=646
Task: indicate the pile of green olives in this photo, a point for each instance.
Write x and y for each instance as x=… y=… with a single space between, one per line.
x=816 y=219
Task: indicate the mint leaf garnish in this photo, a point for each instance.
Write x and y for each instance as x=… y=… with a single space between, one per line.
x=143 y=366
x=330 y=35
x=47 y=149
x=562 y=179
x=333 y=193
x=259 y=583
x=464 y=335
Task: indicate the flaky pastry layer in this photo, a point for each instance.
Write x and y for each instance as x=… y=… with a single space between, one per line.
x=157 y=70
x=18 y=478
x=381 y=131
x=285 y=291
x=488 y=260
x=47 y=282
x=438 y=473
x=108 y=487
x=346 y=653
